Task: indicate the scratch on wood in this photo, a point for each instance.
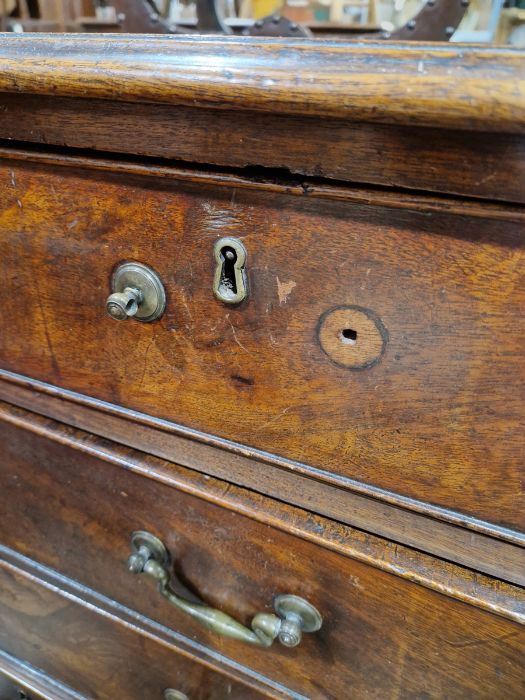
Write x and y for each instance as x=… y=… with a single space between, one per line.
x=363 y=286
x=284 y=289
x=275 y=418
x=486 y=179
x=235 y=336
x=144 y=366
x=356 y=583
x=225 y=490
x=52 y=357
x=185 y=304
x=480 y=642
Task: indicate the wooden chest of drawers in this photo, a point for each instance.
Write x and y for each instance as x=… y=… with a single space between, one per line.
x=314 y=444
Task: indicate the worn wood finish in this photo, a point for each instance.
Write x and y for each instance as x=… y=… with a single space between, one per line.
x=378 y=82
x=489 y=593
x=99 y=655
x=374 y=375
x=380 y=154
x=437 y=418
x=77 y=504
x=474 y=543
x=269 y=181
x=145 y=627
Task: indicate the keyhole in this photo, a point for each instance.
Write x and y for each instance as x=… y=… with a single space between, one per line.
x=228 y=280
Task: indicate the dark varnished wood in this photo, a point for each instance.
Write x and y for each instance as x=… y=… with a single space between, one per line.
x=75 y=512
x=377 y=82
x=465 y=540
x=76 y=638
x=398 y=115
x=413 y=435
x=489 y=593
x=437 y=419
x=182 y=647
x=262 y=180
x=380 y=154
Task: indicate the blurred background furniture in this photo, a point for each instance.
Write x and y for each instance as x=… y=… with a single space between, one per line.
x=480 y=21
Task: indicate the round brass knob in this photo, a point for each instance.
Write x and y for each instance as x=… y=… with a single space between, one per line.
x=136 y=563
x=121 y=305
x=298 y=616
x=171 y=694
x=137 y=292
x=290 y=633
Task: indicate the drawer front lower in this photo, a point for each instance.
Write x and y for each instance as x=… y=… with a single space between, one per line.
x=100 y=658
x=381 y=343
x=10 y=690
x=382 y=636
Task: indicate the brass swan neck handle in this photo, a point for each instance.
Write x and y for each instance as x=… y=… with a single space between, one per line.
x=294 y=615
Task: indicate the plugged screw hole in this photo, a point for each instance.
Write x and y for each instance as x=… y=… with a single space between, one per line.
x=349 y=336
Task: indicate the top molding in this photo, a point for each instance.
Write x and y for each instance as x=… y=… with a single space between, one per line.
x=439 y=85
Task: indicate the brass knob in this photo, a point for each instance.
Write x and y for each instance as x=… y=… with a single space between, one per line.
x=137 y=292
x=171 y=694
x=136 y=562
x=290 y=633
x=121 y=305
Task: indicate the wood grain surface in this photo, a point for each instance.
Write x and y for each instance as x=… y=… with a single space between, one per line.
x=470 y=542
x=374 y=374
x=432 y=85
x=474 y=164
x=438 y=418
x=76 y=512
x=491 y=594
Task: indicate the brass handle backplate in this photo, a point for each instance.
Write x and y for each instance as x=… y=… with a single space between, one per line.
x=136 y=292
x=294 y=615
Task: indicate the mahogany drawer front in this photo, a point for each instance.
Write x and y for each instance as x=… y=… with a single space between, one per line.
x=321 y=110
x=100 y=658
x=436 y=300
x=381 y=635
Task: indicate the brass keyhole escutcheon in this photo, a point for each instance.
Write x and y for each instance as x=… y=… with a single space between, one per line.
x=230 y=283
x=137 y=292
